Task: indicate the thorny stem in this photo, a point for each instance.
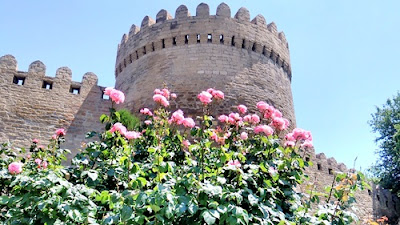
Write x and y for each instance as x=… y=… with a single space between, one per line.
x=330 y=192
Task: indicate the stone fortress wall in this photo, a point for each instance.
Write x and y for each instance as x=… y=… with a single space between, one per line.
x=248 y=60
x=33 y=105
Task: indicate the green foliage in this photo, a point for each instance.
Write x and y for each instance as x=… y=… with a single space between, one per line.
x=161 y=179
x=384 y=122
x=130 y=121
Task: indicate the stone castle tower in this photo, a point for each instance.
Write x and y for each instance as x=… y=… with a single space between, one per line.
x=247 y=59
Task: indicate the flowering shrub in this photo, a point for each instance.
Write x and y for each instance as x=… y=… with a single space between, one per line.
x=173 y=170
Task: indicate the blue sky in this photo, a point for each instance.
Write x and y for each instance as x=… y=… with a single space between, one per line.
x=344 y=54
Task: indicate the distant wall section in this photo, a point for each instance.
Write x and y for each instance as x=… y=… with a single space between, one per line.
x=33 y=105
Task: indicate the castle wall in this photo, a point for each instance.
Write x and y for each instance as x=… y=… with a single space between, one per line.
x=29 y=110
x=248 y=61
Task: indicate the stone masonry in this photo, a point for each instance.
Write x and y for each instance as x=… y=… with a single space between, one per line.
x=247 y=59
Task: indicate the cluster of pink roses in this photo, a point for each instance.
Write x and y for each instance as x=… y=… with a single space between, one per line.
x=178 y=118
x=206 y=96
x=41 y=164
x=301 y=136
x=162 y=96
x=123 y=131
x=115 y=95
x=269 y=112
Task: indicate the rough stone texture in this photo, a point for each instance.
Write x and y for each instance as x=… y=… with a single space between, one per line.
x=256 y=66
x=30 y=111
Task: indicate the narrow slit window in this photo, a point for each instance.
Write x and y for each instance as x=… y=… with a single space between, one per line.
x=307 y=159
x=152 y=46
x=221 y=38
x=19 y=80
x=319 y=166
x=243 y=43
x=198 y=38
x=209 y=38
x=264 y=52
x=330 y=171
x=120 y=68
x=130 y=58
x=174 y=41
x=124 y=63
x=377 y=197
x=186 y=38
x=254 y=47
x=233 y=41
x=144 y=50
x=163 y=43
x=137 y=55
x=47 y=85
x=75 y=90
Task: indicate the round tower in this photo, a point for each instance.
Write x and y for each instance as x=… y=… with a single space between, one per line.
x=246 y=59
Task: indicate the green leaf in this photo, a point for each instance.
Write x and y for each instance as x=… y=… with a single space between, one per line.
x=4 y=200
x=155 y=208
x=208 y=217
x=126 y=213
x=193 y=208
x=253 y=200
x=222 y=209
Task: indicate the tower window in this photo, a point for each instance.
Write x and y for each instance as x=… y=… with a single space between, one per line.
x=130 y=58
x=163 y=43
x=330 y=171
x=47 y=85
x=319 y=166
x=264 y=51
x=174 y=41
x=186 y=38
x=19 y=80
x=233 y=41
x=144 y=50
x=209 y=38
x=198 y=38
x=137 y=55
x=243 y=43
x=75 y=90
x=152 y=46
x=221 y=38
x=254 y=47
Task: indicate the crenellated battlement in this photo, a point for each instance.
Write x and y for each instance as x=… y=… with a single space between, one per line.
x=35 y=78
x=220 y=29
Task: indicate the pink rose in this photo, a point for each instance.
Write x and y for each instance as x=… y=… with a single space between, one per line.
x=60 y=132
x=267 y=130
x=38 y=161
x=247 y=118
x=255 y=119
x=234 y=163
x=279 y=123
x=205 y=97
x=132 y=135
x=158 y=91
x=262 y=106
x=272 y=171
x=108 y=91
x=161 y=100
x=165 y=93
x=276 y=114
x=148 y=122
x=242 y=109
x=269 y=111
x=54 y=137
x=173 y=96
x=289 y=137
x=307 y=144
x=117 y=96
x=210 y=90
x=15 y=168
x=186 y=143
x=118 y=127
x=177 y=117
x=290 y=144
x=35 y=140
x=300 y=134
x=44 y=164
x=218 y=95
x=41 y=147
x=188 y=122
x=223 y=118
x=244 y=136
x=146 y=111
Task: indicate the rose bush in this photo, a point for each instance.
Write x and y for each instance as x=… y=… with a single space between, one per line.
x=175 y=170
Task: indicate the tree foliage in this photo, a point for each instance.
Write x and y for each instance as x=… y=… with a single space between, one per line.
x=386 y=123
